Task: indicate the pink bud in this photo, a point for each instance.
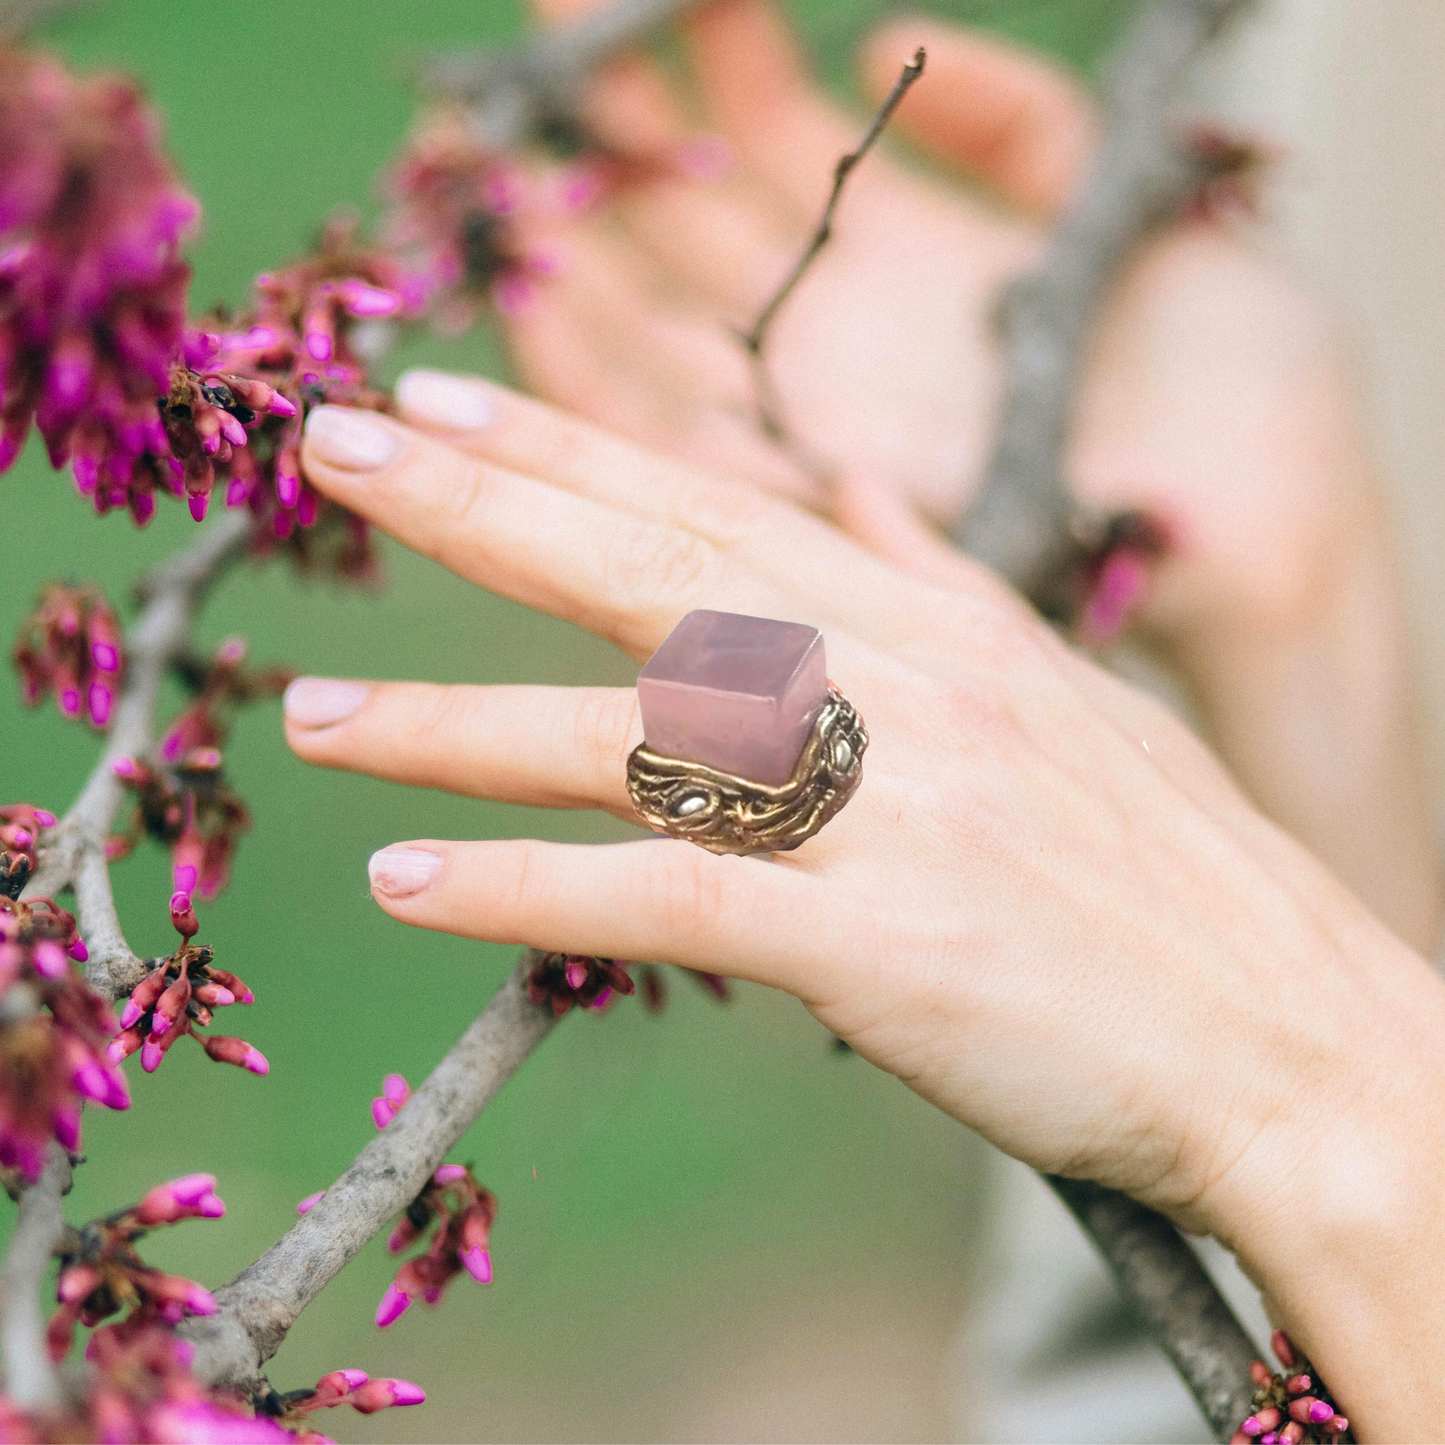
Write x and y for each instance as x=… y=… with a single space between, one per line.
x=22 y=839
x=130 y=1013
x=1339 y=1425
x=198 y=505
x=381 y=1113
x=1264 y=1420
x=46 y=820
x=1292 y=1433
x=450 y=1173
x=101 y=700
x=255 y=1060
x=354 y=1379
x=75 y=1283
x=280 y=406
x=1297 y=1384
x=184 y=1352
x=200 y=1301
x=394 y=1304
x=192 y=1188
x=150 y=1056
x=576 y=973
x=1283 y=1347
x=49 y=959
x=66 y=1121
x=478 y=1263
x=395 y=1089
x=125 y=769
x=232 y=430
x=310 y=1201
x=78 y=951
x=104 y=656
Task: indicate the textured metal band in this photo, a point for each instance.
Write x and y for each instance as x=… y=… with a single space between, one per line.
x=727 y=814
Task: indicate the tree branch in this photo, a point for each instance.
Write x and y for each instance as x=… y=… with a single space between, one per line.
x=30 y=1378
x=1024 y=523
x=512 y=94
x=769 y=409
x=261 y=1304
x=74 y=852
x=1174 y=1296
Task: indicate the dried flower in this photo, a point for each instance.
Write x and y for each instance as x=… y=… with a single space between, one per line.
x=565 y=980
x=71 y=646
x=53 y=1028
x=177 y=997
x=654 y=989
x=92 y=289
x=20 y=825
x=1290 y=1409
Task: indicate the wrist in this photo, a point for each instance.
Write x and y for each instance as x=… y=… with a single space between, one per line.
x=1338 y=1215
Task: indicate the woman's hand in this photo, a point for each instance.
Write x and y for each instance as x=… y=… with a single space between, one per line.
x=1047 y=909
x=1218 y=398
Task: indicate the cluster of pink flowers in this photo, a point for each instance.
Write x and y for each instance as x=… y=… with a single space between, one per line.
x=564 y=981
x=452 y=1200
x=139 y=1386
x=293 y=350
x=178 y=997
x=70 y=646
x=455 y=207
x=54 y=1029
x=182 y=799
x=20 y=825
x=92 y=287
x=1290 y=1409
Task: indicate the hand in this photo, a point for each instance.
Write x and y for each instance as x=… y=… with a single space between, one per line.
x=1218 y=400
x=1047 y=909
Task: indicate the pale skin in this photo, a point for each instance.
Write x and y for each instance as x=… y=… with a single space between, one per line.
x=1089 y=947
x=1219 y=400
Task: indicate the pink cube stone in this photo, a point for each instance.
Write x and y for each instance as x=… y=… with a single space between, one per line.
x=735 y=693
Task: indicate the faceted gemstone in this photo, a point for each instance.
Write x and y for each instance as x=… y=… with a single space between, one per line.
x=736 y=693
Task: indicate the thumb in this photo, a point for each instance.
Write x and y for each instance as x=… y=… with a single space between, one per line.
x=1009 y=118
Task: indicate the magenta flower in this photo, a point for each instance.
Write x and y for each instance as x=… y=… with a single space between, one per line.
x=20 y=828
x=71 y=646
x=92 y=287
x=178 y=997
x=564 y=980
x=1295 y=1410
x=54 y=1035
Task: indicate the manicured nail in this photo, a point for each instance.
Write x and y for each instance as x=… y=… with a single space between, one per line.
x=319 y=702
x=400 y=872
x=448 y=401
x=349 y=439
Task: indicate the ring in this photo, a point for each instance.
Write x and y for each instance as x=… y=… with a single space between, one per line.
x=747 y=746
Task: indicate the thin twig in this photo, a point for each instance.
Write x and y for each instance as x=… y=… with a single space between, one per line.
x=30 y=1378
x=1023 y=522
x=262 y=1303
x=74 y=852
x=755 y=339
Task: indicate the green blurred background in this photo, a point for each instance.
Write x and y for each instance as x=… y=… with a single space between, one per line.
x=712 y=1225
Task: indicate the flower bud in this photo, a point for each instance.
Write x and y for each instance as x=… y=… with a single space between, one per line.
x=394 y=1304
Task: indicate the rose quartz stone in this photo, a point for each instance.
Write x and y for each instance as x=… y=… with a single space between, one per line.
x=737 y=693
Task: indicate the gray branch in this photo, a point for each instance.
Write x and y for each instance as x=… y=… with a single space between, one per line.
x=74 y=851
x=30 y=1378
x=1173 y=1296
x=261 y=1304
x=513 y=94
x=1024 y=523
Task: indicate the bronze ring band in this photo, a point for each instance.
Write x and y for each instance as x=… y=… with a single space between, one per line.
x=728 y=814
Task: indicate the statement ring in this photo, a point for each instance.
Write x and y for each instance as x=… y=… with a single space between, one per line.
x=748 y=748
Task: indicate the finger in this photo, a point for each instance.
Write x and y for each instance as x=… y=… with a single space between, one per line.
x=1010 y=118
x=654 y=899
x=547 y=747
x=626 y=578
x=760 y=93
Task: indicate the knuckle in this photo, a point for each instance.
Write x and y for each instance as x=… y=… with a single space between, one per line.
x=691 y=893
x=605 y=727
x=465 y=500
x=437 y=712
x=659 y=564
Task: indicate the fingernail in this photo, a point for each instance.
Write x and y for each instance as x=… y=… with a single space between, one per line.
x=318 y=702
x=449 y=401
x=350 y=439
x=400 y=872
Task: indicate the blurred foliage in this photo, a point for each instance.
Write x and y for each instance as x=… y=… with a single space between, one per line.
x=675 y=1190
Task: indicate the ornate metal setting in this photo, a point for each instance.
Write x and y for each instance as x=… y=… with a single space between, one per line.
x=728 y=814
